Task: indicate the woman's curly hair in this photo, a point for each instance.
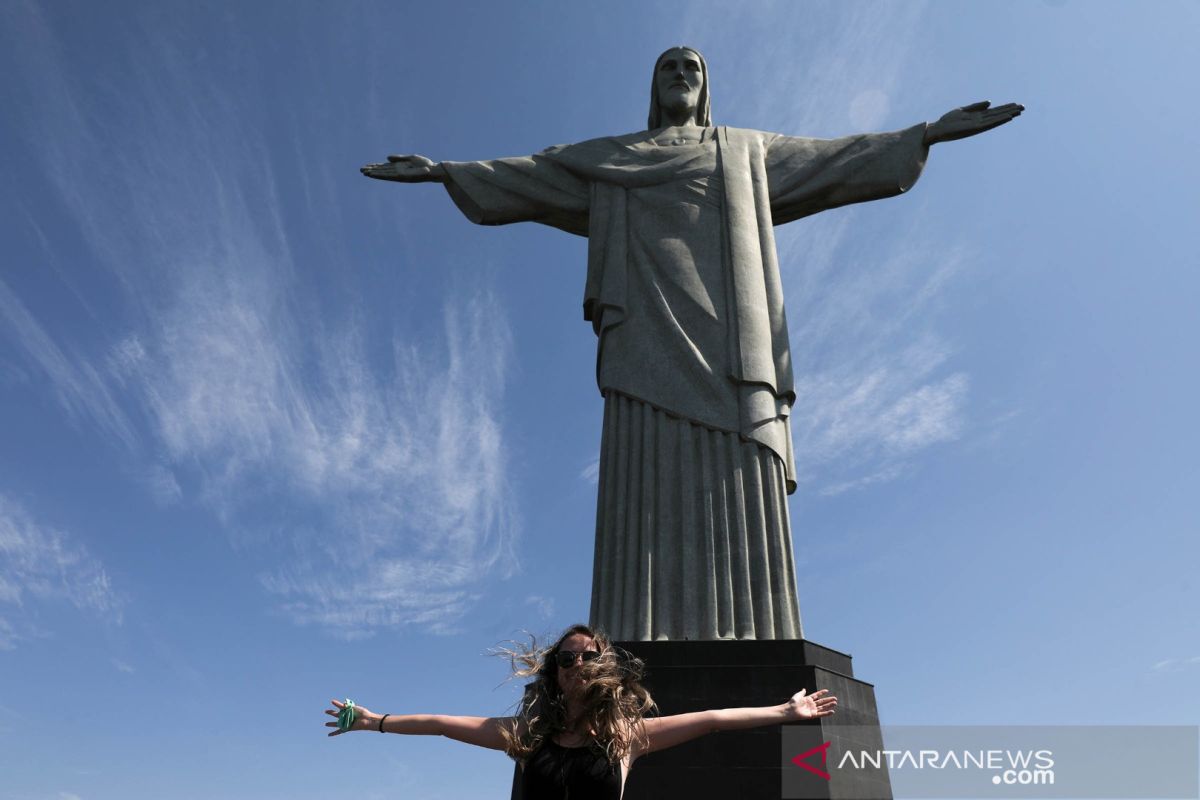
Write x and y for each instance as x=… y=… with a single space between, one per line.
x=615 y=702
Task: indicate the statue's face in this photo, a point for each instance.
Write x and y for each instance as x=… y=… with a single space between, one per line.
x=679 y=80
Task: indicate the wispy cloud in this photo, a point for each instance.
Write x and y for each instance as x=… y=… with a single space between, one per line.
x=867 y=416
x=378 y=482
x=79 y=388
x=39 y=563
x=591 y=472
x=543 y=605
x=411 y=470
x=1176 y=664
x=8 y=634
x=162 y=484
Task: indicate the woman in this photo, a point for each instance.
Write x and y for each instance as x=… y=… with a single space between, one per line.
x=583 y=725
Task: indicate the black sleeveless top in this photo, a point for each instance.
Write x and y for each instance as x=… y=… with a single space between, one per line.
x=555 y=772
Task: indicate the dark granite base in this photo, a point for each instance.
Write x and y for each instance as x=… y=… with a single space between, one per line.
x=732 y=765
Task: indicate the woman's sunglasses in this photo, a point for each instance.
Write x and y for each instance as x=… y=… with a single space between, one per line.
x=566 y=658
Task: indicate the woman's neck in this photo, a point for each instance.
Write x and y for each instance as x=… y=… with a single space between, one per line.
x=574 y=731
x=574 y=714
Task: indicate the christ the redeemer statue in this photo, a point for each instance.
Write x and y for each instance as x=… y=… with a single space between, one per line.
x=683 y=290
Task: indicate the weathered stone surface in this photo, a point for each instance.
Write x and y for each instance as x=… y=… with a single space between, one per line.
x=683 y=290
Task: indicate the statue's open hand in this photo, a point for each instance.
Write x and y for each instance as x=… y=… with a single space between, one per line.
x=810 y=706
x=406 y=169
x=970 y=120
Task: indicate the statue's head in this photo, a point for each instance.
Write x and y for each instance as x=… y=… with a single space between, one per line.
x=680 y=82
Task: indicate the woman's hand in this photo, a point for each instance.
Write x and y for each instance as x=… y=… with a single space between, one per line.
x=406 y=169
x=810 y=706
x=364 y=720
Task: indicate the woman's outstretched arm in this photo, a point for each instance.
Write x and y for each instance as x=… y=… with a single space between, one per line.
x=664 y=732
x=479 y=731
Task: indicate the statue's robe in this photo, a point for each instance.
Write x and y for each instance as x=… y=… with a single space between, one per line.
x=683 y=289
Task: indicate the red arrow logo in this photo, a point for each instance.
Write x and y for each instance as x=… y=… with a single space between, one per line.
x=799 y=760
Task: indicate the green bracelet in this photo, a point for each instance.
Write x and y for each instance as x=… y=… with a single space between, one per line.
x=346 y=716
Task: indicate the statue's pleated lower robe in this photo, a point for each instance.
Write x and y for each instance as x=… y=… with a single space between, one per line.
x=683 y=290
x=691 y=527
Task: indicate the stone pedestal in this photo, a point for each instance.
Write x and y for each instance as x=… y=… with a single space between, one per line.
x=748 y=765
x=751 y=764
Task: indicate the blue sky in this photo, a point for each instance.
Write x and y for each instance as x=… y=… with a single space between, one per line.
x=274 y=433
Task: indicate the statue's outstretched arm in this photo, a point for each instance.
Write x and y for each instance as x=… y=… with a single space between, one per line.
x=499 y=191
x=406 y=169
x=970 y=120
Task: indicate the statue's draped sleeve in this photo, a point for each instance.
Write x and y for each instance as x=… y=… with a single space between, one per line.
x=811 y=175
x=525 y=189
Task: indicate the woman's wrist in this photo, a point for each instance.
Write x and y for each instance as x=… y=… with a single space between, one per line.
x=379 y=726
x=790 y=711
